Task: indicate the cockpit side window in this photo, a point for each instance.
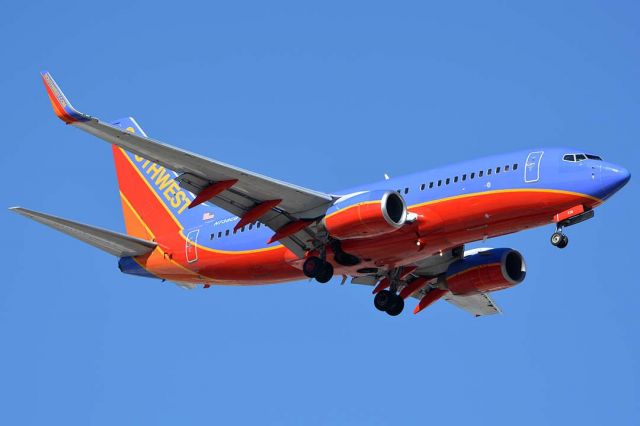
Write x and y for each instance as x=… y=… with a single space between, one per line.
x=580 y=157
x=594 y=157
x=569 y=157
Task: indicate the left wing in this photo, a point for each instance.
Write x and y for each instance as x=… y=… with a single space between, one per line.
x=291 y=208
x=427 y=270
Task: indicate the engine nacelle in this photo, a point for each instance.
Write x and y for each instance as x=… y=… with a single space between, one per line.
x=489 y=270
x=365 y=215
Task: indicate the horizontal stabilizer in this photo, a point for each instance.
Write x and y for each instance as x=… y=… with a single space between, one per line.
x=112 y=242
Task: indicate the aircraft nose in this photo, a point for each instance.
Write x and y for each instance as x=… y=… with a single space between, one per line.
x=614 y=177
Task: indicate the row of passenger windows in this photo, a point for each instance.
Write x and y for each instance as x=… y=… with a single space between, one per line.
x=228 y=232
x=463 y=178
x=580 y=157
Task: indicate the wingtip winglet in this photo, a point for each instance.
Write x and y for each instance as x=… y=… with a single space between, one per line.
x=61 y=105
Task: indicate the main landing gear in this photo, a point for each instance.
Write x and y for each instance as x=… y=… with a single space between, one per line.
x=389 y=302
x=559 y=239
x=315 y=267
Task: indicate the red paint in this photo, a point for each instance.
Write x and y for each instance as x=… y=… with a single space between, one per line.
x=480 y=279
x=569 y=213
x=211 y=191
x=256 y=212
x=362 y=220
x=414 y=286
x=509 y=212
x=289 y=229
x=429 y=298
x=381 y=285
x=57 y=108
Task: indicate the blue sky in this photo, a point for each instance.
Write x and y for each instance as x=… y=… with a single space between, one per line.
x=326 y=95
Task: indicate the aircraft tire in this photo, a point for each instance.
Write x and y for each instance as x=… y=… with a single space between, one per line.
x=396 y=307
x=325 y=274
x=312 y=266
x=564 y=242
x=557 y=238
x=383 y=300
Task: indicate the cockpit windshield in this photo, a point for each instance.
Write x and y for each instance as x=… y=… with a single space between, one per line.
x=580 y=157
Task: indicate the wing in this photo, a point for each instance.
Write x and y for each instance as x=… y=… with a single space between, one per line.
x=428 y=270
x=112 y=242
x=476 y=304
x=236 y=190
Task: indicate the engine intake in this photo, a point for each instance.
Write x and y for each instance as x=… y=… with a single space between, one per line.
x=364 y=215
x=486 y=271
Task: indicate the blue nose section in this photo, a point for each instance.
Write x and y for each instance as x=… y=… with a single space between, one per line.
x=614 y=178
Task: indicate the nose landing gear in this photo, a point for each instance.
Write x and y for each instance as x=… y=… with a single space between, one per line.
x=559 y=239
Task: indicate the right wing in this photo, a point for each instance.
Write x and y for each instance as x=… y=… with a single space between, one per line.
x=117 y=244
x=231 y=188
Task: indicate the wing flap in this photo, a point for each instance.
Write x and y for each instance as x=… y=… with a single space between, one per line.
x=477 y=304
x=114 y=243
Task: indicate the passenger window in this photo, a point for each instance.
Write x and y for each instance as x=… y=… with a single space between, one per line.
x=406 y=190
x=480 y=173
x=258 y=225
x=250 y=226
x=515 y=166
x=220 y=234
x=422 y=187
x=430 y=185
x=440 y=183
x=497 y=169
x=506 y=168
x=464 y=177
x=448 y=180
x=473 y=175
x=212 y=236
x=488 y=172
x=455 y=179
x=242 y=229
x=226 y=233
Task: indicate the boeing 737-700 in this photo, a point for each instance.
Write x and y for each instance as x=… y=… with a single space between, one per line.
x=200 y=222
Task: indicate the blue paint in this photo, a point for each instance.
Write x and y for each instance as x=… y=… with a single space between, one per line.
x=128 y=265
x=594 y=178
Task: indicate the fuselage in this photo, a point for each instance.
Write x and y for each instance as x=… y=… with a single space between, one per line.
x=454 y=205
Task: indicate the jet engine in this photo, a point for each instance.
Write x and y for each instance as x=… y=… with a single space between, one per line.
x=364 y=215
x=485 y=271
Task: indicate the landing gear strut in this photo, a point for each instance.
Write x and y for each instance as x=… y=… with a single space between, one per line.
x=315 y=267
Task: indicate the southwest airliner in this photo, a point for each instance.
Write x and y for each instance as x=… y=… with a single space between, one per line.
x=200 y=222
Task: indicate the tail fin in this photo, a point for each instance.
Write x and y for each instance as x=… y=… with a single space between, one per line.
x=152 y=201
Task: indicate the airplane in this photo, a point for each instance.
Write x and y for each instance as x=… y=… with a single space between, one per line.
x=196 y=221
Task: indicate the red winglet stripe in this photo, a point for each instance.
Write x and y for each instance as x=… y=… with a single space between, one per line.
x=57 y=108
